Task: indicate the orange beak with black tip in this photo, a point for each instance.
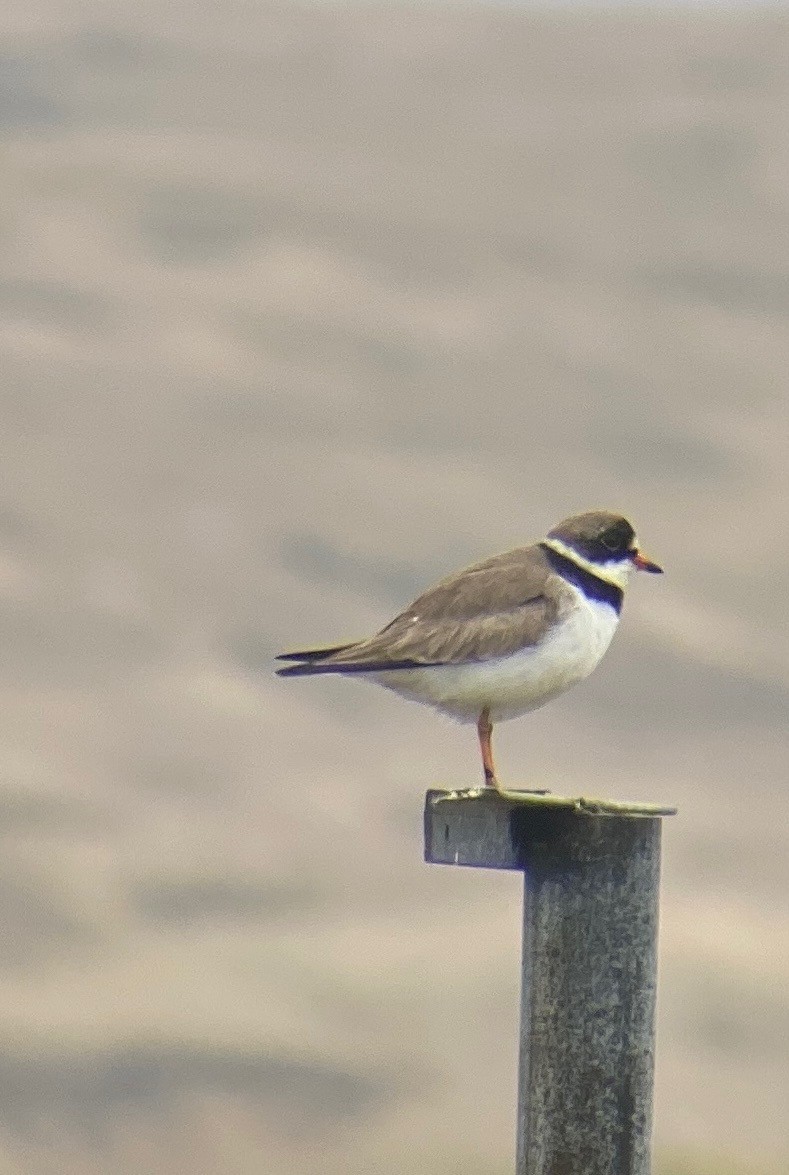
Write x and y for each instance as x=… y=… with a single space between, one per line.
x=643 y=564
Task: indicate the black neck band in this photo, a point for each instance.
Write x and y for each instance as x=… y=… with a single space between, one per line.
x=592 y=586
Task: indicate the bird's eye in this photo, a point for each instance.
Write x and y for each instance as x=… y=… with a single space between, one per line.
x=615 y=540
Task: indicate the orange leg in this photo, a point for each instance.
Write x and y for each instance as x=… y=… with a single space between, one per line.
x=485 y=733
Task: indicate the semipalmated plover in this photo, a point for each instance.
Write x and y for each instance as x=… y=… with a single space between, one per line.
x=503 y=636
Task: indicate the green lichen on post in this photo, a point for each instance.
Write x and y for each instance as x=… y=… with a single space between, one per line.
x=583 y=805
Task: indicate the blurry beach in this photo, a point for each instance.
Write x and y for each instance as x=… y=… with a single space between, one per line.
x=301 y=308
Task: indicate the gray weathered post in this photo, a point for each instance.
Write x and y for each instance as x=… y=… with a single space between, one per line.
x=590 y=922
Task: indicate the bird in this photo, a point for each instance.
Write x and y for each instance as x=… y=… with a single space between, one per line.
x=503 y=636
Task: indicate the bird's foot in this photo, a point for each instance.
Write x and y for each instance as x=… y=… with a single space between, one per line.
x=515 y=794
x=492 y=784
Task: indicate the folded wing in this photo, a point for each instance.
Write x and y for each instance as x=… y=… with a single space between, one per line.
x=489 y=610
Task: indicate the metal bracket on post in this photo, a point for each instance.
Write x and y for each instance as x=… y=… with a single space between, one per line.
x=590 y=921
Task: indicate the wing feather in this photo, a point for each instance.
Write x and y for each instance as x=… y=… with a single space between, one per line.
x=489 y=610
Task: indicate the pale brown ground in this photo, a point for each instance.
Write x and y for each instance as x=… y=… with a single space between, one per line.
x=300 y=309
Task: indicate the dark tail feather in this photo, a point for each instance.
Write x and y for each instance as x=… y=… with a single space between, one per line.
x=311 y=667
x=312 y=654
x=310 y=661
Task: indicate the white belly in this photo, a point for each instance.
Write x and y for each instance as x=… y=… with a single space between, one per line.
x=513 y=685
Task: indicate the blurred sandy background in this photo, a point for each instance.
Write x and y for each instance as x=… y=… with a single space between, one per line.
x=301 y=307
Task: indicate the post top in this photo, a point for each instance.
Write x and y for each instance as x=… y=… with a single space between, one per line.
x=580 y=805
x=499 y=830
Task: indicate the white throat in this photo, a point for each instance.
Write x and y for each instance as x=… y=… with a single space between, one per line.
x=617 y=572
